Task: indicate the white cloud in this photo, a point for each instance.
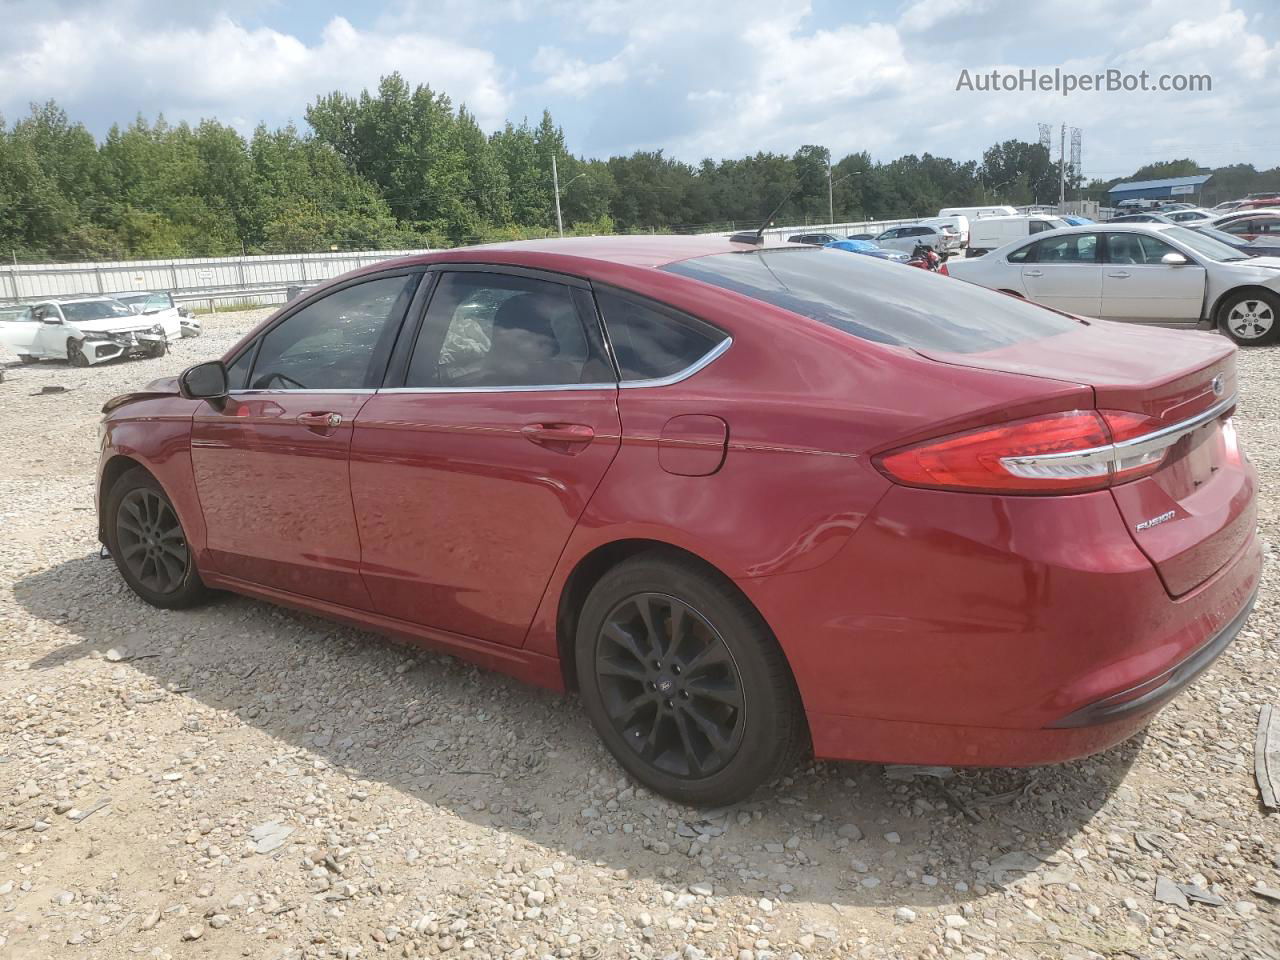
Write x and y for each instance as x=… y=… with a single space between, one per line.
x=574 y=77
x=223 y=68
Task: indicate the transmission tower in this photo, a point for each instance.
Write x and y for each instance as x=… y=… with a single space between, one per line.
x=1075 y=154
x=1046 y=136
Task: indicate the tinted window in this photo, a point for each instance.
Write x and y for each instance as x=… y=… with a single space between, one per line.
x=339 y=342
x=650 y=342
x=1075 y=248
x=912 y=308
x=238 y=372
x=95 y=310
x=1020 y=255
x=1039 y=226
x=494 y=330
x=1137 y=248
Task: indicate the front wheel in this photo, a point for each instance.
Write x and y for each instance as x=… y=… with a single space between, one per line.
x=147 y=542
x=684 y=682
x=1250 y=317
x=75 y=354
x=27 y=358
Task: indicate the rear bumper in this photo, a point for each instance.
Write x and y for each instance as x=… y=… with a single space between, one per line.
x=1150 y=695
x=994 y=631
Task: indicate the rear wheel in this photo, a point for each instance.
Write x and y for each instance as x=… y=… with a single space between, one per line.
x=75 y=354
x=1250 y=318
x=684 y=682
x=148 y=544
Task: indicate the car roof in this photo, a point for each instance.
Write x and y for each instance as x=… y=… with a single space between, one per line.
x=637 y=250
x=61 y=300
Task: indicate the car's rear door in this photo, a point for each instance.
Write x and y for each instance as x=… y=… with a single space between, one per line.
x=1065 y=272
x=1138 y=286
x=471 y=467
x=271 y=463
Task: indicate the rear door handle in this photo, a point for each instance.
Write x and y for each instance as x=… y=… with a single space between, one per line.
x=320 y=420
x=1033 y=273
x=557 y=434
x=1119 y=274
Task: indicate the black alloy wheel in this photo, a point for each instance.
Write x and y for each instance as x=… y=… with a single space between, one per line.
x=75 y=354
x=145 y=537
x=150 y=540
x=684 y=682
x=670 y=685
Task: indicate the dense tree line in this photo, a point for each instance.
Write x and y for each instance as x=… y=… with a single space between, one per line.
x=401 y=167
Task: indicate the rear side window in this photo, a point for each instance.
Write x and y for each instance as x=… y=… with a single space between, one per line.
x=650 y=342
x=910 y=308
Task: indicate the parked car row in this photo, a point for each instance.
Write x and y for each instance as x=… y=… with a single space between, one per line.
x=90 y=330
x=1158 y=273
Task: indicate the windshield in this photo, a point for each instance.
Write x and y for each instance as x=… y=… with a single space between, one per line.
x=94 y=310
x=878 y=301
x=1204 y=245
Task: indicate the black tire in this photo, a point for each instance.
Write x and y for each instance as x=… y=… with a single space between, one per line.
x=75 y=354
x=147 y=542
x=728 y=653
x=27 y=358
x=158 y=351
x=1250 y=317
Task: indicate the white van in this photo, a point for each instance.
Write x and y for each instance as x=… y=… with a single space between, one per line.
x=973 y=213
x=987 y=233
x=958 y=223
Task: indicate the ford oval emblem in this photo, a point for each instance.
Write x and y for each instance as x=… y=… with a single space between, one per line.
x=1219 y=385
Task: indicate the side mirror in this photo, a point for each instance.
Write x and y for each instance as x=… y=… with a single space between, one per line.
x=135 y=308
x=53 y=321
x=204 y=381
x=1174 y=260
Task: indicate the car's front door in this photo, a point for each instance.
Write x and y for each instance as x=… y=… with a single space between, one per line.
x=1065 y=273
x=271 y=464
x=51 y=338
x=470 y=470
x=1138 y=286
x=18 y=333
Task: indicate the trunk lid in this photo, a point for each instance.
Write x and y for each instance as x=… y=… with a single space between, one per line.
x=1196 y=511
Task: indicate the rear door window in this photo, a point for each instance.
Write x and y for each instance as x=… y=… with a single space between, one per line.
x=1074 y=248
x=651 y=342
x=903 y=307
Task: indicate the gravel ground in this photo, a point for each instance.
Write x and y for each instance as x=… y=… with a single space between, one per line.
x=244 y=781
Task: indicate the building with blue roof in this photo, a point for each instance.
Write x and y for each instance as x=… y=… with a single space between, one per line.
x=1171 y=188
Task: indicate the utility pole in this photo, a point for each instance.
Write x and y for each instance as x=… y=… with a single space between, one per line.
x=555 y=179
x=1062 y=169
x=831 y=204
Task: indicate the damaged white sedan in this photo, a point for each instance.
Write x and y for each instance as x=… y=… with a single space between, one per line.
x=86 y=330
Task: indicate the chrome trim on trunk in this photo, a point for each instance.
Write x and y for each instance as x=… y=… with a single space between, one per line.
x=1096 y=461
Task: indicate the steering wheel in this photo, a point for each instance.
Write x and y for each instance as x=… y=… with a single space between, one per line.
x=286 y=381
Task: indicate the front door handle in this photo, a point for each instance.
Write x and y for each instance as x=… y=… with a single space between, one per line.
x=325 y=419
x=562 y=435
x=1033 y=273
x=1119 y=274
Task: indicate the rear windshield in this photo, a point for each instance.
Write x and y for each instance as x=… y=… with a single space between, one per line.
x=874 y=300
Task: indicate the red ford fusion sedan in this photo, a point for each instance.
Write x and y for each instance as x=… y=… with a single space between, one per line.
x=747 y=501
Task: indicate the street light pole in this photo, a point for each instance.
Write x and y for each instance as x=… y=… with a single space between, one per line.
x=555 y=179
x=831 y=203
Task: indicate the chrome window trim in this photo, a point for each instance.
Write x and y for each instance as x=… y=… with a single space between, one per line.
x=1095 y=461
x=534 y=388
x=667 y=381
x=707 y=358
x=295 y=393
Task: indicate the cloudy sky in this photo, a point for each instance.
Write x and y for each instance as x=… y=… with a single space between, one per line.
x=694 y=78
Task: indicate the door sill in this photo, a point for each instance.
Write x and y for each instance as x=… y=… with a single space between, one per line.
x=528 y=667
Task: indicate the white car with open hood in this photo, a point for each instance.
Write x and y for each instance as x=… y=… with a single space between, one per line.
x=85 y=330
x=1140 y=273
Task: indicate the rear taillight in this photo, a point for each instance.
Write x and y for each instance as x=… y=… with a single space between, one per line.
x=1056 y=453
x=943 y=269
